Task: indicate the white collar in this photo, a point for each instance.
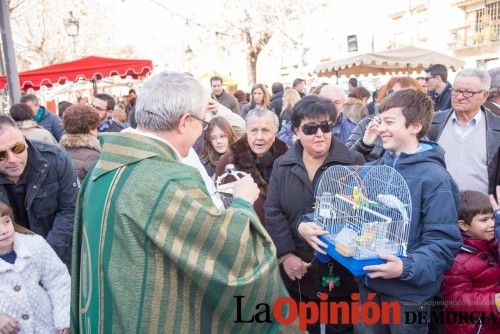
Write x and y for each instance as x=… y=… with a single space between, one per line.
x=475 y=120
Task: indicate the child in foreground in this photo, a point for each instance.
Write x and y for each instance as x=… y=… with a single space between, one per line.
x=34 y=282
x=471 y=284
x=434 y=237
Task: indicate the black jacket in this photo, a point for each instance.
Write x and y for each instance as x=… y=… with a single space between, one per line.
x=492 y=141
x=51 y=191
x=277 y=103
x=443 y=100
x=290 y=195
x=355 y=142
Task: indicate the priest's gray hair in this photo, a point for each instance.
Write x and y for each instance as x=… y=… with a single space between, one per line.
x=483 y=76
x=262 y=112
x=166 y=97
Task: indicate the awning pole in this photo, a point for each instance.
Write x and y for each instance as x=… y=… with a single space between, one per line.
x=10 y=57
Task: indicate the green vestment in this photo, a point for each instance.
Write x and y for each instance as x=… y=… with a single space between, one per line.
x=152 y=254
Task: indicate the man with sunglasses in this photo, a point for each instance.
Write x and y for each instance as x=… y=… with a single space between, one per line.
x=469 y=134
x=38 y=182
x=438 y=87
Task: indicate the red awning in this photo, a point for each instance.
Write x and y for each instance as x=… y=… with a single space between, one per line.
x=86 y=68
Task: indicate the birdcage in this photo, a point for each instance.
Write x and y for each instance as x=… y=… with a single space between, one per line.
x=225 y=183
x=366 y=210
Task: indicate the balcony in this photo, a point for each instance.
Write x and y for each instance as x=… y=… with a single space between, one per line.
x=471 y=36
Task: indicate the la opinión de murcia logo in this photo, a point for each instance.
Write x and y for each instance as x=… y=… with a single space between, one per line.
x=286 y=310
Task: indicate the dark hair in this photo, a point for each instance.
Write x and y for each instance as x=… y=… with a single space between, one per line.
x=216 y=78
x=21 y=112
x=5 y=121
x=80 y=119
x=297 y=82
x=29 y=97
x=277 y=87
x=312 y=106
x=438 y=70
x=241 y=96
x=208 y=153
x=359 y=93
x=415 y=105
x=353 y=82
x=107 y=98
x=132 y=91
x=473 y=203
x=5 y=210
x=62 y=106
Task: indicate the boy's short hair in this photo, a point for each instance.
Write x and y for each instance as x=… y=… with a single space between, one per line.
x=415 y=105
x=473 y=203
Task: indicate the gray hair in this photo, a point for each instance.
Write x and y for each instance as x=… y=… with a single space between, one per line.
x=6 y=121
x=262 y=112
x=30 y=97
x=166 y=97
x=477 y=73
x=495 y=78
x=328 y=89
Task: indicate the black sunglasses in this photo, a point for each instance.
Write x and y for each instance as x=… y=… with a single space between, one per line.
x=312 y=128
x=18 y=148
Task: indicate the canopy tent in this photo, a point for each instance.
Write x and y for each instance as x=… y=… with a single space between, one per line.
x=406 y=59
x=88 y=68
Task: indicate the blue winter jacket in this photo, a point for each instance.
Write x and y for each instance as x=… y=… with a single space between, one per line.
x=341 y=129
x=52 y=123
x=434 y=234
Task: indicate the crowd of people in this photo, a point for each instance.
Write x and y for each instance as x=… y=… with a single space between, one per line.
x=122 y=196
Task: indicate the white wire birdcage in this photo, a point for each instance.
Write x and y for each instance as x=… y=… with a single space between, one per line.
x=225 y=183
x=365 y=209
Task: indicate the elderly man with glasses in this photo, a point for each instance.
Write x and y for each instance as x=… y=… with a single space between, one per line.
x=470 y=134
x=38 y=182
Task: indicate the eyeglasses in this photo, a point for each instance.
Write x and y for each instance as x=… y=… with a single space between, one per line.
x=312 y=128
x=99 y=108
x=465 y=93
x=204 y=123
x=219 y=137
x=18 y=148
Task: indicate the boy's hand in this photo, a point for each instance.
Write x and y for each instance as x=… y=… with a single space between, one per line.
x=392 y=269
x=371 y=134
x=8 y=324
x=494 y=204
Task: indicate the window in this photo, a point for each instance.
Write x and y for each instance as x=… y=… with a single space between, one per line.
x=352 y=43
x=487 y=23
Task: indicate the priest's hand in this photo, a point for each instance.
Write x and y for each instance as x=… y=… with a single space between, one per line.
x=245 y=188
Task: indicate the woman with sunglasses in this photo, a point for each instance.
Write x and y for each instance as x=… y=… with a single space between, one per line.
x=364 y=139
x=219 y=136
x=291 y=195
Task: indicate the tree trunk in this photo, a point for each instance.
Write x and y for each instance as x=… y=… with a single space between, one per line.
x=252 y=69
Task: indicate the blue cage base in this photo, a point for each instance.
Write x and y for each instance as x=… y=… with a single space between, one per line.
x=353 y=265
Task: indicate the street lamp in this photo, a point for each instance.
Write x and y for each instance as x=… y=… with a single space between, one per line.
x=72 y=25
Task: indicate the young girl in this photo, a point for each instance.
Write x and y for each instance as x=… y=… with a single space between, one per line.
x=471 y=285
x=219 y=136
x=34 y=282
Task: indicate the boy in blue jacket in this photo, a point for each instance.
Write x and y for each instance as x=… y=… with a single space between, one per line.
x=434 y=237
